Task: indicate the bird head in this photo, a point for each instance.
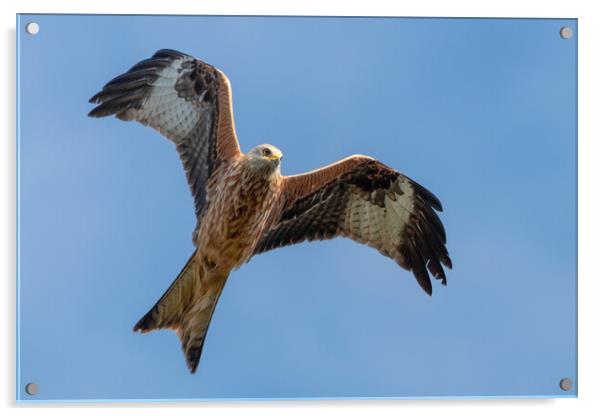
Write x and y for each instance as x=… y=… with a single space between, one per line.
x=265 y=157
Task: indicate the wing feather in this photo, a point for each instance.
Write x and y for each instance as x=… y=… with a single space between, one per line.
x=186 y=100
x=366 y=201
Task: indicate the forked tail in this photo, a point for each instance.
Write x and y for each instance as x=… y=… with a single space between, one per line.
x=186 y=307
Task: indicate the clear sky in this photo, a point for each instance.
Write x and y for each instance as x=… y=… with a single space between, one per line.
x=480 y=111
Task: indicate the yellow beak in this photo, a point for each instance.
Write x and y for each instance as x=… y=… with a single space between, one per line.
x=275 y=156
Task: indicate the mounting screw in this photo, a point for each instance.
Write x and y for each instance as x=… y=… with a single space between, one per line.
x=32 y=28
x=566 y=384
x=566 y=32
x=31 y=389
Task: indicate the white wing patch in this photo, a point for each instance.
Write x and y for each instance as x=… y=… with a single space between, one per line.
x=379 y=227
x=163 y=109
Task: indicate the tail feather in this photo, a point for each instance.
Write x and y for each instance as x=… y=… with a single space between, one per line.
x=194 y=326
x=169 y=309
x=186 y=307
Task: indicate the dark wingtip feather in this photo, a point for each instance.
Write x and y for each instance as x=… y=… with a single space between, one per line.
x=94 y=99
x=417 y=265
x=443 y=259
x=127 y=89
x=169 y=53
x=424 y=282
x=447 y=262
x=434 y=266
x=424 y=248
x=428 y=196
x=101 y=110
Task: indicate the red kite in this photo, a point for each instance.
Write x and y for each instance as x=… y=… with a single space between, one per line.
x=244 y=206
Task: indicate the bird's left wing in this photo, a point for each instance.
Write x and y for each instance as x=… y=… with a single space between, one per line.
x=186 y=100
x=365 y=200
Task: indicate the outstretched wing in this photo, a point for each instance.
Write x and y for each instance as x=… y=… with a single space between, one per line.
x=186 y=100
x=365 y=200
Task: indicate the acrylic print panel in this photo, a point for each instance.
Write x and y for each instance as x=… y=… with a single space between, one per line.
x=481 y=112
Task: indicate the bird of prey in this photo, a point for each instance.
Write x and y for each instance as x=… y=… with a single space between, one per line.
x=244 y=206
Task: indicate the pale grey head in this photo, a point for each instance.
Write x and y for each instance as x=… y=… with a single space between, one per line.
x=265 y=158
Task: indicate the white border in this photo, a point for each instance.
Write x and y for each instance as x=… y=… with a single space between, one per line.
x=590 y=209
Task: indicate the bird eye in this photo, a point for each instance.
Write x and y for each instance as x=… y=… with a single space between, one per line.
x=266 y=152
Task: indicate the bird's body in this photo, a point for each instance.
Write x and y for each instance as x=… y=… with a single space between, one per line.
x=244 y=206
x=235 y=216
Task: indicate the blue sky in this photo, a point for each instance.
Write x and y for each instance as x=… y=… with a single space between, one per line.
x=480 y=111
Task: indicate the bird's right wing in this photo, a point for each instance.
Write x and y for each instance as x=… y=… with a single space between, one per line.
x=184 y=99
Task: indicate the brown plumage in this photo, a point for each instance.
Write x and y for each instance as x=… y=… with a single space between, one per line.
x=244 y=206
